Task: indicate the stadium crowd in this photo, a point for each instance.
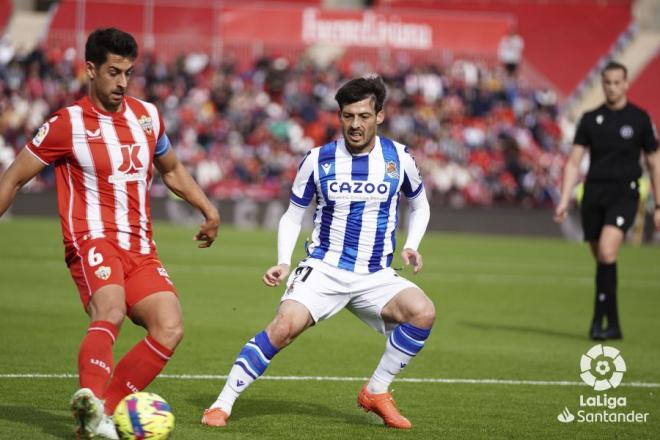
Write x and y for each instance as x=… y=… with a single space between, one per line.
x=479 y=136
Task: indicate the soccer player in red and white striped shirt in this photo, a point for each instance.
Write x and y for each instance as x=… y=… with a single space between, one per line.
x=103 y=148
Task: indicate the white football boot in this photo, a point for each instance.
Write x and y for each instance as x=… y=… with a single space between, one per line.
x=106 y=429
x=87 y=411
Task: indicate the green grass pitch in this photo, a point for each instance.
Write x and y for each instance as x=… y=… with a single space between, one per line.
x=508 y=309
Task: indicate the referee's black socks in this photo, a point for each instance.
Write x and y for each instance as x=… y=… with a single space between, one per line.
x=606 y=283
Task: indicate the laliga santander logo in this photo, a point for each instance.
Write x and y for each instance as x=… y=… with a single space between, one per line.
x=602 y=367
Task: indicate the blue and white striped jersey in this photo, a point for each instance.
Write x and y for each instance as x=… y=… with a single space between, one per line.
x=357 y=200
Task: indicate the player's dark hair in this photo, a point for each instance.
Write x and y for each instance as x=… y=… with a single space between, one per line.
x=109 y=40
x=613 y=65
x=358 y=89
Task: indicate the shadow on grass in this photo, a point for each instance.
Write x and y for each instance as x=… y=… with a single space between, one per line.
x=252 y=408
x=524 y=329
x=59 y=426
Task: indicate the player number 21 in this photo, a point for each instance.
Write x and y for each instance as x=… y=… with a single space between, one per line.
x=93 y=258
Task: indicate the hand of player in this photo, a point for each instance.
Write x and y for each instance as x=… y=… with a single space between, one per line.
x=413 y=257
x=561 y=212
x=208 y=232
x=275 y=274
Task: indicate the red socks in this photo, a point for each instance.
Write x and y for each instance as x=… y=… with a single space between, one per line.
x=95 y=356
x=135 y=371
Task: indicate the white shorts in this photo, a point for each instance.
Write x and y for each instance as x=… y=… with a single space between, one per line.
x=325 y=290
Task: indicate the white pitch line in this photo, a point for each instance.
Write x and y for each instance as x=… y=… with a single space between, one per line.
x=565 y=383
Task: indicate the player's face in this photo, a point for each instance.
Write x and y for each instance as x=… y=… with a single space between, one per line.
x=358 y=122
x=615 y=86
x=109 y=81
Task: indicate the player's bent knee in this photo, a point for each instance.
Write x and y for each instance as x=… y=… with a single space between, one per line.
x=114 y=313
x=421 y=312
x=425 y=316
x=282 y=331
x=169 y=334
x=107 y=304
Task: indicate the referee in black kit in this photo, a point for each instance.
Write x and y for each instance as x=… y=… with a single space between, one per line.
x=614 y=133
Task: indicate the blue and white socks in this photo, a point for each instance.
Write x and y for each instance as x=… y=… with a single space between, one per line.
x=402 y=345
x=251 y=363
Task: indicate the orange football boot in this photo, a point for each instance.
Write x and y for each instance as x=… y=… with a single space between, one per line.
x=383 y=405
x=214 y=417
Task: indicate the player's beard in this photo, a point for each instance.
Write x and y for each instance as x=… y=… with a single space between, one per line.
x=115 y=99
x=358 y=146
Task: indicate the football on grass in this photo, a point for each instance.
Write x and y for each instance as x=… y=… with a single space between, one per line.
x=143 y=416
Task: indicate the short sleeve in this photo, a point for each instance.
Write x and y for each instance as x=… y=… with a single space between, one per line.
x=581 y=134
x=53 y=139
x=649 y=136
x=161 y=125
x=304 y=187
x=412 y=179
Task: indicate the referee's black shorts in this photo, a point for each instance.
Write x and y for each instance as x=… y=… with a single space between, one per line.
x=608 y=204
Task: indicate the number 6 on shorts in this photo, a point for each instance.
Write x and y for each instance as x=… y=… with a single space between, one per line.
x=93 y=258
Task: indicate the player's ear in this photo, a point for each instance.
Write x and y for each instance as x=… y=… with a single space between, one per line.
x=380 y=117
x=90 y=69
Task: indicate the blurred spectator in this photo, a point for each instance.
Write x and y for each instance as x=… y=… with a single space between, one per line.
x=478 y=137
x=510 y=51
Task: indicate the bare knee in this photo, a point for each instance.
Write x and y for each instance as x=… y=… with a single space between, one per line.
x=422 y=314
x=282 y=331
x=113 y=313
x=168 y=333
x=606 y=255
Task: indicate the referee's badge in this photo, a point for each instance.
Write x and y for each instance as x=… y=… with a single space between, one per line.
x=626 y=132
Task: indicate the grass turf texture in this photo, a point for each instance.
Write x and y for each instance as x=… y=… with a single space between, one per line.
x=508 y=308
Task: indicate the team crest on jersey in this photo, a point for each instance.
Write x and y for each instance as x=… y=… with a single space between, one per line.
x=391 y=170
x=103 y=272
x=145 y=123
x=626 y=132
x=41 y=134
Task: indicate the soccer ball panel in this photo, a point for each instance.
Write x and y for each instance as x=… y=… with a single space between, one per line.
x=143 y=416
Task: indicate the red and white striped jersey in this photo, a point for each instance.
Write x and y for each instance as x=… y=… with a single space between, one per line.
x=103 y=167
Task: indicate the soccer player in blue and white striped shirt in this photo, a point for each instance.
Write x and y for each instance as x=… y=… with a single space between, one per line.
x=356 y=182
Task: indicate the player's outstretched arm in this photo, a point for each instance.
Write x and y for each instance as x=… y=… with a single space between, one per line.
x=177 y=179
x=20 y=172
x=653 y=164
x=570 y=178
